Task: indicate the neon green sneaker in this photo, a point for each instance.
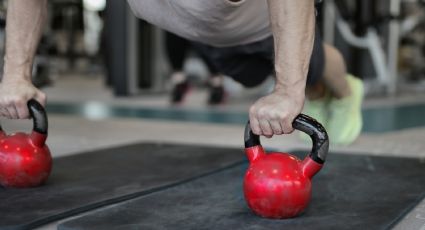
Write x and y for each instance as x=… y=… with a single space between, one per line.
x=345 y=121
x=317 y=109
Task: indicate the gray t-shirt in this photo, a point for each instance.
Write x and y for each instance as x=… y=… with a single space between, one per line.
x=215 y=22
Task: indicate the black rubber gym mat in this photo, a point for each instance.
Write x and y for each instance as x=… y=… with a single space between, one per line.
x=351 y=192
x=86 y=181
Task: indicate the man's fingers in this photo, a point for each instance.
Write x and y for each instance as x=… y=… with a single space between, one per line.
x=23 y=112
x=273 y=114
x=286 y=125
x=21 y=109
x=15 y=109
x=4 y=112
x=14 y=96
x=266 y=128
x=255 y=126
x=253 y=120
x=276 y=127
x=13 y=114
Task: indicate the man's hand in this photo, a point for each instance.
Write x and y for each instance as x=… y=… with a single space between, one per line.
x=14 y=96
x=274 y=113
x=292 y=24
x=24 y=25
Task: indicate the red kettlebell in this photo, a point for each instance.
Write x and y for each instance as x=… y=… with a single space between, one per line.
x=278 y=185
x=25 y=159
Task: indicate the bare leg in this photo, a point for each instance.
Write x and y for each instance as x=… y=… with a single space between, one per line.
x=315 y=92
x=334 y=77
x=341 y=112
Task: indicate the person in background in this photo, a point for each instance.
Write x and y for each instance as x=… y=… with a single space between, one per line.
x=177 y=49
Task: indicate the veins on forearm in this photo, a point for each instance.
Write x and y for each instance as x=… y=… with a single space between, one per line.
x=293 y=30
x=25 y=22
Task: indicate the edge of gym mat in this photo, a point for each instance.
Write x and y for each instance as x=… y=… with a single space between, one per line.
x=118 y=199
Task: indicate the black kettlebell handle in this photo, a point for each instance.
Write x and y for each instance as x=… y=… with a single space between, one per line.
x=38 y=115
x=305 y=124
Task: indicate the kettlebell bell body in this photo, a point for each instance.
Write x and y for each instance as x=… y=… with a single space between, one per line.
x=278 y=185
x=25 y=159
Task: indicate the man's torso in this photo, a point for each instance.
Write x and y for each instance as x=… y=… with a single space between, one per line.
x=214 y=22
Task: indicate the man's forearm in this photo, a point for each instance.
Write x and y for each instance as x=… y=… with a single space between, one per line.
x=24 y=25
x=293 y=25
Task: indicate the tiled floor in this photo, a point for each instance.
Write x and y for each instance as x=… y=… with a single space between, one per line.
x=72 y=134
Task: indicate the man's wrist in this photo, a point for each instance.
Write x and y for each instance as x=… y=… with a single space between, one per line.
x=14 y=71
x=15 y=76
x=294 y=90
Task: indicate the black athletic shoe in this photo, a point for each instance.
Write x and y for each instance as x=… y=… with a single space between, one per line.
x=179 y=92
x=217 y=95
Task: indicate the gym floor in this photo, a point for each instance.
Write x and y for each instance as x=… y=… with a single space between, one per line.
x=394 y=126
